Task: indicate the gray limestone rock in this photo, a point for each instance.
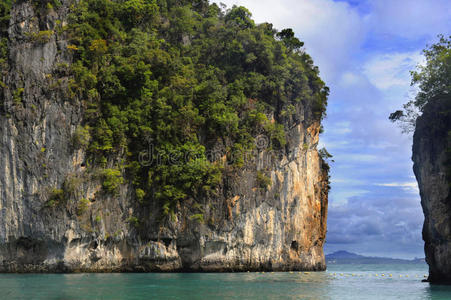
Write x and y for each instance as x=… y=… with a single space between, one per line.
x=431 y=144
x=246 y=227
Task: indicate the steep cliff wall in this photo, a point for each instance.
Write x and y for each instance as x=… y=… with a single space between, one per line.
x=431 y=156
x=270 y=214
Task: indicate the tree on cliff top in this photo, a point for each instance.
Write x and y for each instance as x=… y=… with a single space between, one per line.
x=288 y=38
x=433 y=80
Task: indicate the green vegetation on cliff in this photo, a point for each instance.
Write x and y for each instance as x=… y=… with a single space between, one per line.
x=5 y=7
x=433 y=80
x=162 y=82
x=181 y=75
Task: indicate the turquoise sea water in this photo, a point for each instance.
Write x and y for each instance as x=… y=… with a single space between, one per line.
x=349 y=282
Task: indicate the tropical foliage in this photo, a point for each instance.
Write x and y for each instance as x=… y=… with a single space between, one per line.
x=433 y=80
x=176 y=77
x=5 y=7
x=177 y=74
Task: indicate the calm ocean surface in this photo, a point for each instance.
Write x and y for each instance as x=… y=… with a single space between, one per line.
x=349 y=282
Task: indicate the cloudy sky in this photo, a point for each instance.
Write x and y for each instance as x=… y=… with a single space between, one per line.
x=365 y=49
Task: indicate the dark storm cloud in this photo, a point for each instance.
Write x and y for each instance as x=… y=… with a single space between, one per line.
x=389 y=216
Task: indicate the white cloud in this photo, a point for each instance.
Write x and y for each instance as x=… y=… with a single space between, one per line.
x=340 y=128
x=336 y=145
x=357 y=158
x=347 y=181
x=411 y=187
x=393 y=69
x=349 y=79
x=342 y=196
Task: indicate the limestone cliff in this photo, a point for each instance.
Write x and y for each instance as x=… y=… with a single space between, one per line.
x=431 y=166
x=247 y=226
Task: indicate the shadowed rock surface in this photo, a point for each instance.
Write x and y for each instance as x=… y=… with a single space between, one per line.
x=431 y=158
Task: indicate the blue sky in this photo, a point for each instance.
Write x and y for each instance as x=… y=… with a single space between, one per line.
x=365 y=50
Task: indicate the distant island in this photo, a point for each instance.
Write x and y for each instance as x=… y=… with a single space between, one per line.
x=345 y=257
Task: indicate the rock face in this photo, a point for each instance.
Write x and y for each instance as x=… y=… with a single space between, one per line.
x=431 y=166
x=247 y=227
